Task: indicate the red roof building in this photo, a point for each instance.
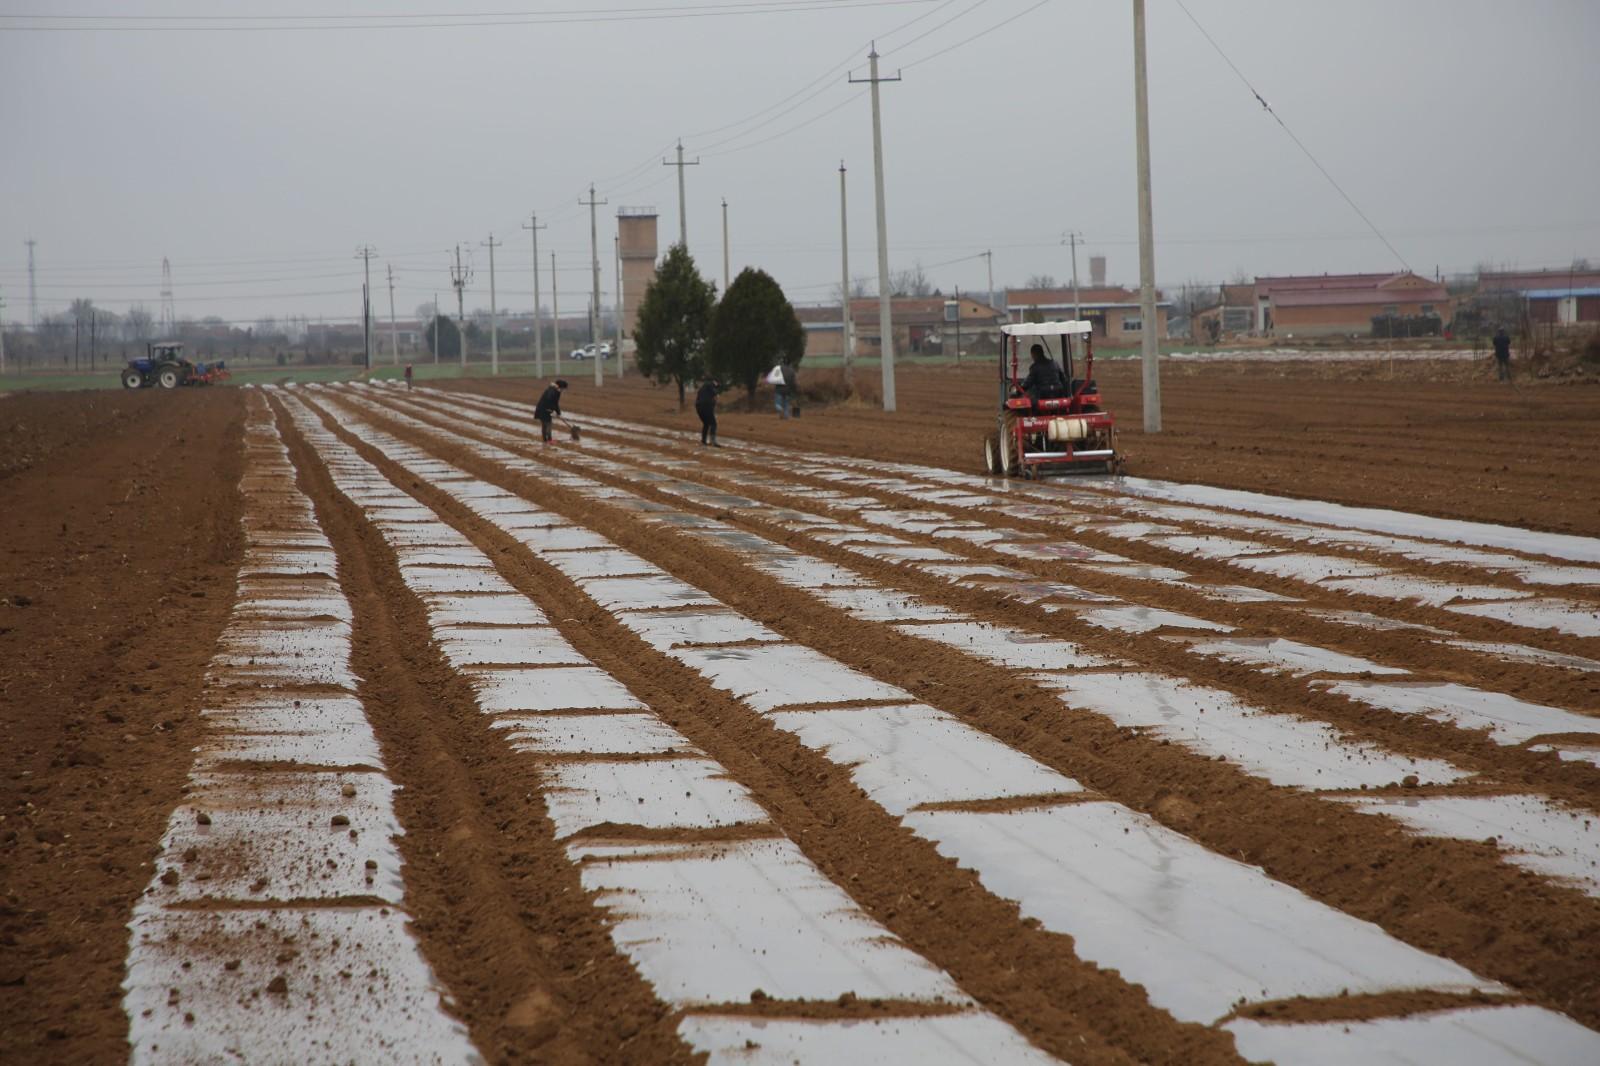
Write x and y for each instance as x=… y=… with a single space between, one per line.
x=1331 y=304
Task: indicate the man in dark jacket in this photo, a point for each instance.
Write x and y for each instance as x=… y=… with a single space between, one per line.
x=705 y=405
x=1502 y=353
x=549 y=406
x=1044 y=379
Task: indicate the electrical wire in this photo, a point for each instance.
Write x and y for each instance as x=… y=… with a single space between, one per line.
x=1298 y=142
x=976 y=36
x=302 y=23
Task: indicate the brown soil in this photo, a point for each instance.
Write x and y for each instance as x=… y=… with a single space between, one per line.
x=121 y=546
x=1496 y=919
x=1436 y=438
x=121 y=542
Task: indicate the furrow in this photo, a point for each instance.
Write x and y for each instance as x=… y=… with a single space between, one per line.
x=1246 y=952
x=276 y=914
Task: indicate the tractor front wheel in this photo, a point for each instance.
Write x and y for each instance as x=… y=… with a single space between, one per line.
x=1010 y=461
x=991 y=455
x=132 y=379
x=169 y=377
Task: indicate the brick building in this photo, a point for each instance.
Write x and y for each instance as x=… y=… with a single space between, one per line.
x=920 y=326
x=1331 y=304
x=1113 y=310
x=1551 y=297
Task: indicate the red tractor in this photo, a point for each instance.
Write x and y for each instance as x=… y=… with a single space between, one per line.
x=1050 y=421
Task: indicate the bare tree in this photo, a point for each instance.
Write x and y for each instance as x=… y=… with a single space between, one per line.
x=1040 y=281
x=138 y=324
x=912 y=282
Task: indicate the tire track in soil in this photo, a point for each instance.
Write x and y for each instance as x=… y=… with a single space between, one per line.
x=1453 y=898
x=499 y=910
x=1024 y=974
x=122 y=551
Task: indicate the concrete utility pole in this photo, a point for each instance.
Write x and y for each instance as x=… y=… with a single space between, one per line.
x=724 y=244
x=683 y=213
x=555 y=310
x=459 y=276
x=594 y=261
x=365 y=254
x=494 y=313
x=847 y=347
x=394 y=338
x=435 y=325
x=2 y=334
x=1077 y=308
x=616 y=325
x=1150 y=354
x=532 y=225
x=33 y=290
x=885 y=317
x=989 y=261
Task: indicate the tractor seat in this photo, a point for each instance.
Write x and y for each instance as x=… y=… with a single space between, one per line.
x=1086 y=386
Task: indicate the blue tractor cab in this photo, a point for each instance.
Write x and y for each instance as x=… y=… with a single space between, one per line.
x=164 y=365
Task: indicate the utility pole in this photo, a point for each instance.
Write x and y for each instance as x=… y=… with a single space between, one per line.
x=724 y=245
x=885 y=323
x=1072 y=240
x=494 y=313
x=459 y=276
x=989 y=258
x=33 y=290
x=365 y=253
x=435 y=324
x=555 y=309
x=594 y=263
x=616 y=253
x=683 y=212
x=1150 y=355
x=847 y=347
x=533 y=227
x=394 y=338
x=2 y=335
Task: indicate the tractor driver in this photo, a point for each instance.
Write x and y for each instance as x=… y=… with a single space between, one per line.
x=1044 y=380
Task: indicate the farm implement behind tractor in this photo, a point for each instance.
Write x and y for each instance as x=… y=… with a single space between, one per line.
x=164 y=365
x=1050 y=422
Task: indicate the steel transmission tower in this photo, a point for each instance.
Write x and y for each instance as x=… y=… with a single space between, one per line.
x=33 y=290
x=168 y=326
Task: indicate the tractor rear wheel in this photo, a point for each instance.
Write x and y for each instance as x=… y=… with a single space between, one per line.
x=169 y=377
x=1010 y=461
x=132 y=379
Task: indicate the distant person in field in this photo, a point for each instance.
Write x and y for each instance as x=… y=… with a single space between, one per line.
x=786 y=368
x=408 y=376
x=1502 y=353
x=1044 y=379
x=549 y=406
x=705 y=405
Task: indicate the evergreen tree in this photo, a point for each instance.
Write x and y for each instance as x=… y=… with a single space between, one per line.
x=449 y=337
x=754 y=328
x=674 y=317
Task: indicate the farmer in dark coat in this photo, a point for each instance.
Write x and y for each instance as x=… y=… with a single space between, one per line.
x=1044 y=379
x=1502 y=353
x=549 y=406
x=705 y=405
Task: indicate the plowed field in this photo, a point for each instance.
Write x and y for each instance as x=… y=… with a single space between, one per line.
x=352 y=723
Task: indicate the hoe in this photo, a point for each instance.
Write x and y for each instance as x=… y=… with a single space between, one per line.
x=1067 y=432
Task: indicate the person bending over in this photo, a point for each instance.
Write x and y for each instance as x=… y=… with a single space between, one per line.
x=705 y=405
x=549 y=406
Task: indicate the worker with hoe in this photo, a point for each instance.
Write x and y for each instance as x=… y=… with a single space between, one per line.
x=1044 y=380
x=549 y=406
x=705 y=405
x=1502 y=353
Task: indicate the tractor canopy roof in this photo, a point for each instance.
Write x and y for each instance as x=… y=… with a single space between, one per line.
x=1046 y=329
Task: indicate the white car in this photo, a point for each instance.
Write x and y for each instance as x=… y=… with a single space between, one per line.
x=587 y=352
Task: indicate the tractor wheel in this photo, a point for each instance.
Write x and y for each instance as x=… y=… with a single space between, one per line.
x=132 y=379
x=169 y=378
x=991 y=455
x=1010 y=461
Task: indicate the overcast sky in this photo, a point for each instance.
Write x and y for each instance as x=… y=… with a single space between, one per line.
x=258 y=160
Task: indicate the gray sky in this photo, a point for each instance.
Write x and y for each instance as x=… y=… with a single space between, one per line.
x=258 y=160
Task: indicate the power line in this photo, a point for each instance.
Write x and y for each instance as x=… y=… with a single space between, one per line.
x=1298 y=143
x=323 y=23
x=975 y=36
x=935 y=29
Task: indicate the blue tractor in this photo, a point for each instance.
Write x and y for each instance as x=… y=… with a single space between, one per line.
x=164 y=365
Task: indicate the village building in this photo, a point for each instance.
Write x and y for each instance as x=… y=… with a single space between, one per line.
x=1313 y=305
x=1113 y=310
x=1565 y=297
